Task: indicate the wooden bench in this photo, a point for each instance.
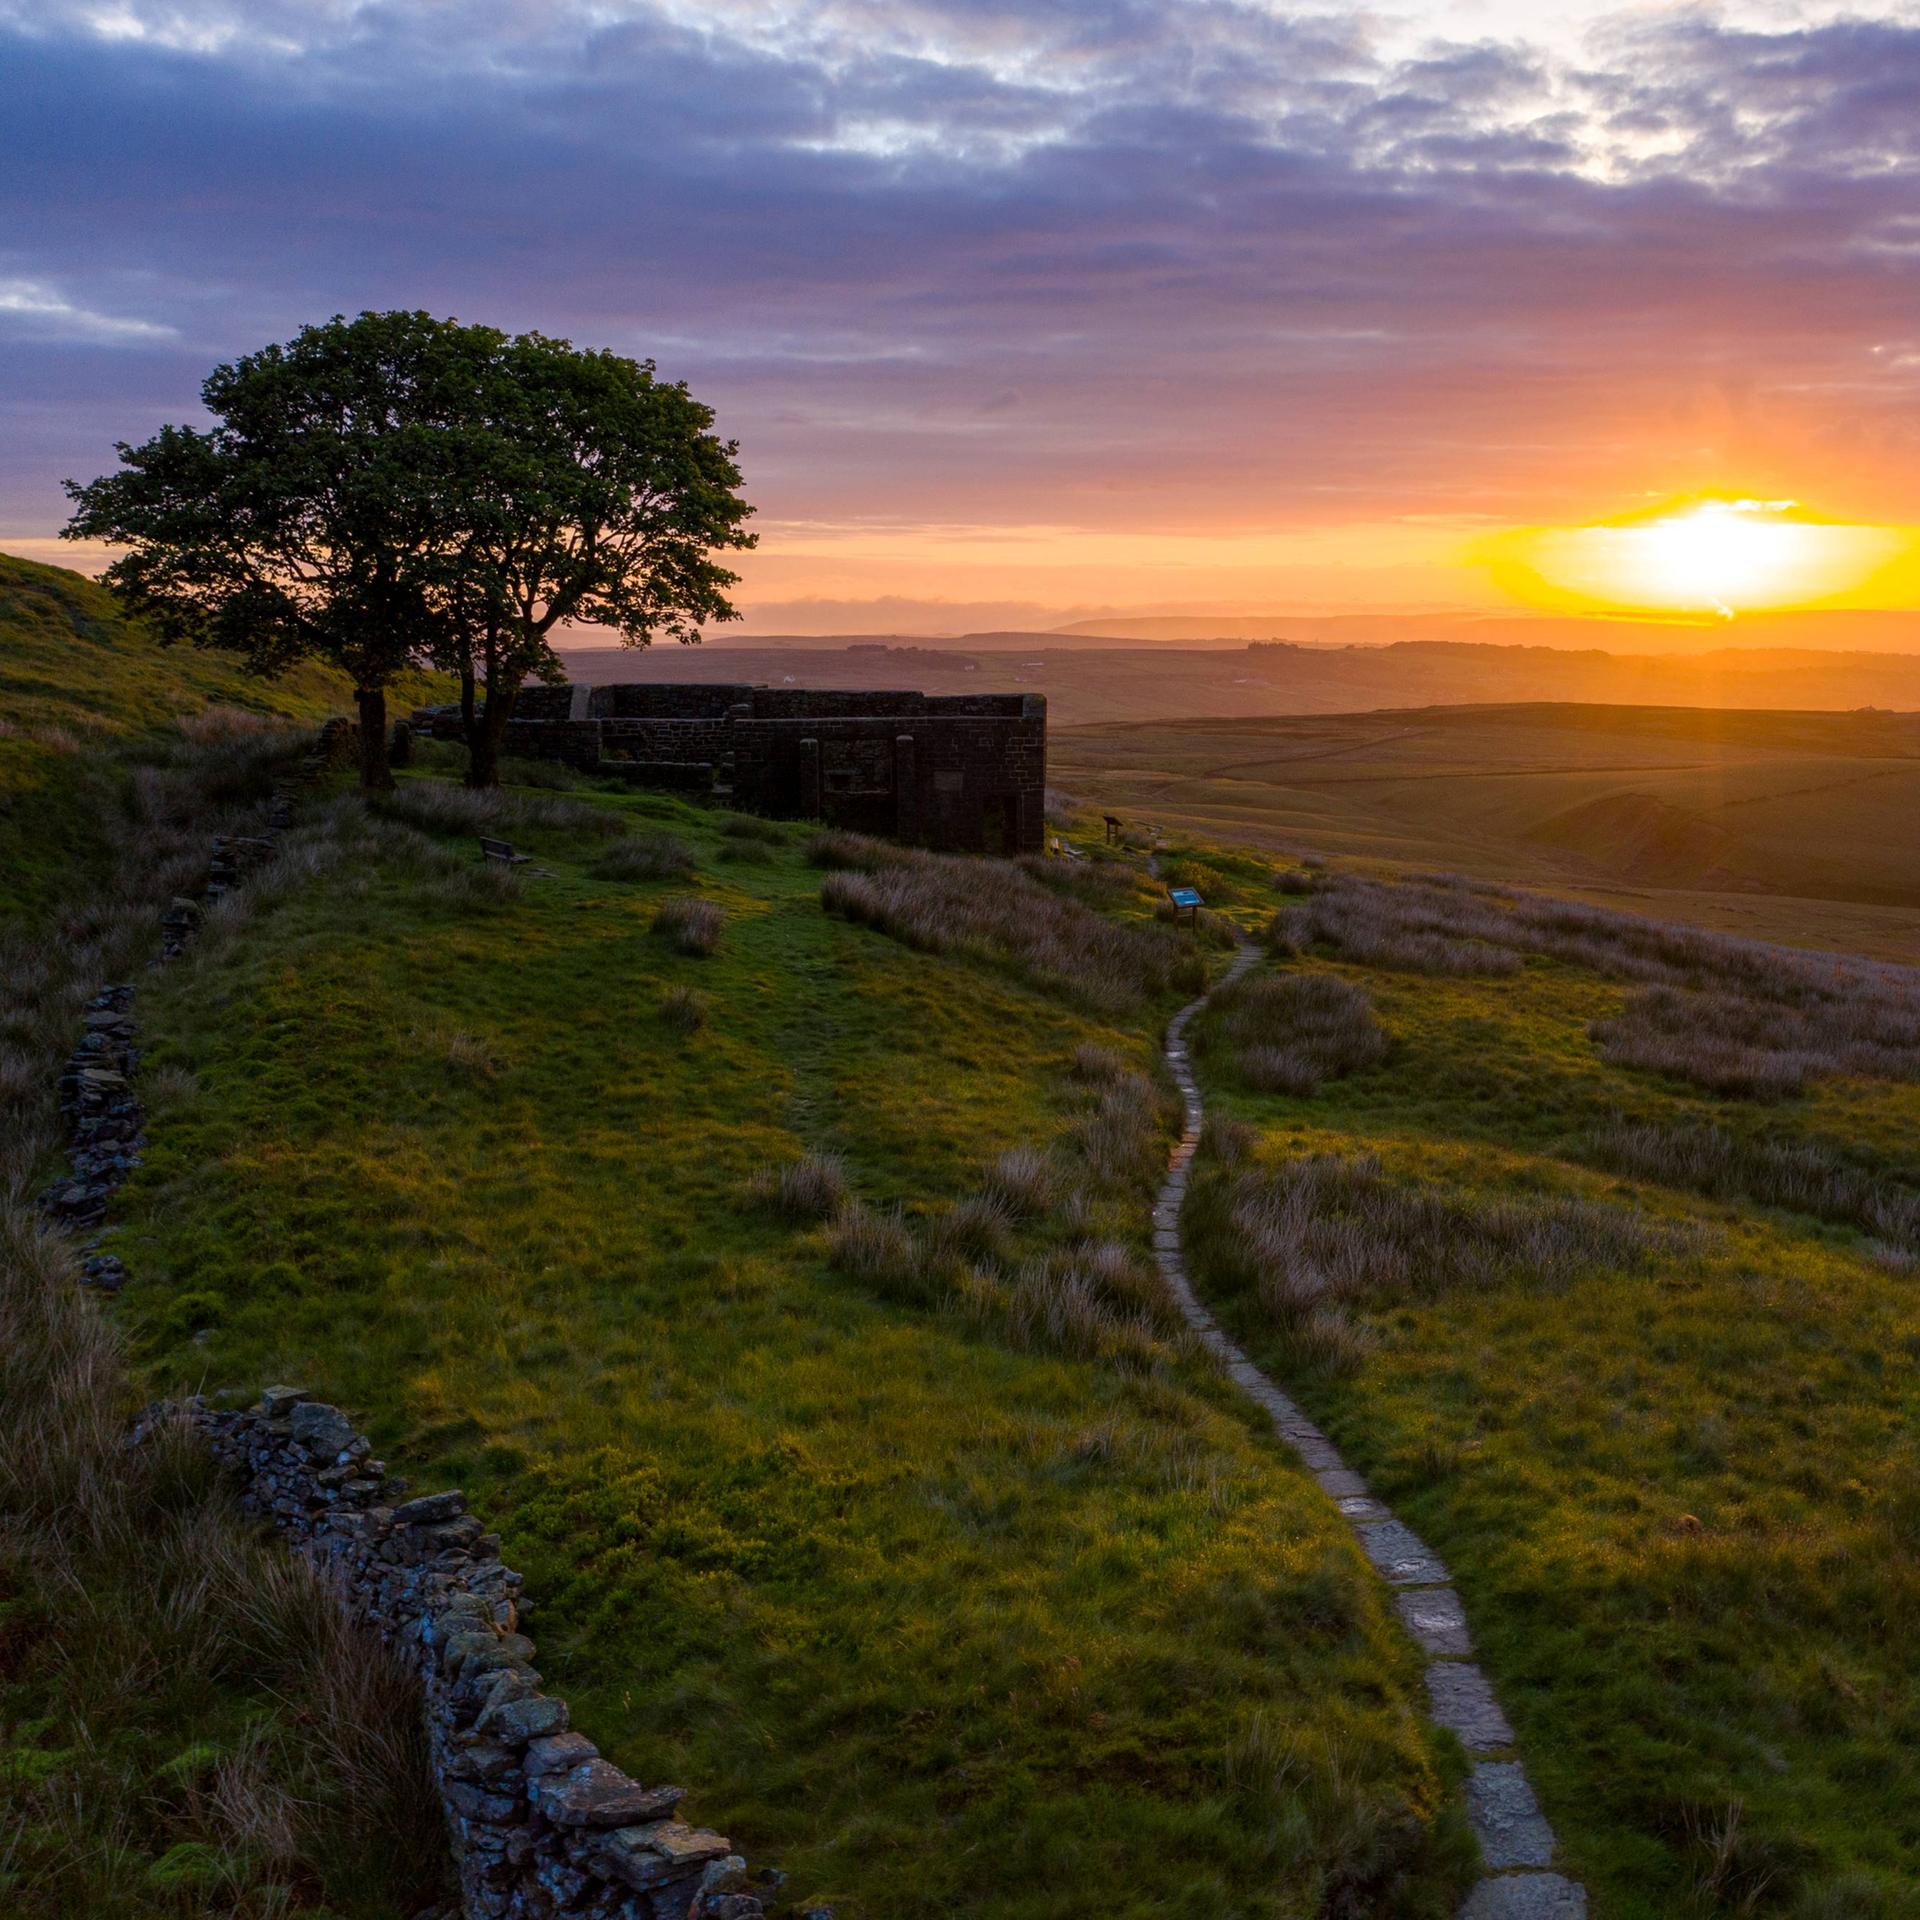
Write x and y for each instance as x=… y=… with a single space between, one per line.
x=502 y=851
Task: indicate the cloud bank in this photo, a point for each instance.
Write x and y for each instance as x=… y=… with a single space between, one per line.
x=1105 y=265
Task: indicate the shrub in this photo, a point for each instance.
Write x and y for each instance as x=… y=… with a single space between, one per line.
x=814 y=1187
x=646 y=856
x=1292 y=1031
x=685 y=1009
x=692 y=924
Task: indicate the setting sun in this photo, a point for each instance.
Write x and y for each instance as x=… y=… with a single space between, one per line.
x=1703 y=555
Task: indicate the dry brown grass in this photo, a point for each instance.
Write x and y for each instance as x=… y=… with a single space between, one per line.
x=881 y=1252
x=1737 y=1017
x=992 y=910
x=1320 y=1234
x=692 y=925
x=195 y=1726
x=685 y=1009
x=813 y=1187
x=438 y=806
x=646 y=856
x=1290 y=1032
x=1801 y=1176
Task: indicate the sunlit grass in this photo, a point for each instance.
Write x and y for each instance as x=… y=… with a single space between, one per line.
x=1677 y=1492
x=910 y=1592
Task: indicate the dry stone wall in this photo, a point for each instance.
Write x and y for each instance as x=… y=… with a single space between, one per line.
x=542 y=1827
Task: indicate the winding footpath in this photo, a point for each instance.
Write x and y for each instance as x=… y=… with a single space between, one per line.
x=1515 y=1839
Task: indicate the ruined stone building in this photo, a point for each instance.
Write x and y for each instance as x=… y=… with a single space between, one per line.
x=964 y=773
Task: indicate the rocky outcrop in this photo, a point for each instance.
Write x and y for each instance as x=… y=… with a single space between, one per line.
x=542 y=1827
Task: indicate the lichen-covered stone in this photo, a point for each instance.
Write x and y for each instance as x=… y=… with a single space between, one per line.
x=596 y=1793
x=660 y=1850
x=556 y=1752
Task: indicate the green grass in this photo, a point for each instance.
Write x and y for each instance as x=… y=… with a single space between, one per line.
x=1682 y=1502
x=188 y=1725
x=79 y=683
x=907 y=1606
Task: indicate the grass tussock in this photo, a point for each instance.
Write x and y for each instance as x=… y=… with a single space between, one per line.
x=685 y=1009
x=188 y=1711
x=813 y=1187
x=991 y=910
x=1323 y=1233
x=1737 y=1017
x=1801 y=1176
x=690 y=924
x=437 y=806
x=646 y=856
x=1292 y=1032
x=882 y=1253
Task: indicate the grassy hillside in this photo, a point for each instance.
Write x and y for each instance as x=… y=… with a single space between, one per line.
x=1594 y=1248
x=1785 y=826
x=78 y=683
x=917 y=1544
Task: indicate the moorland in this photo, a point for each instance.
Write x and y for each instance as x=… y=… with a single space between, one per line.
x=755 y=1222
x=1787 y=826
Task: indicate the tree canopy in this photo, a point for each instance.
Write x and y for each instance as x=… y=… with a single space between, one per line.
x=398 y=489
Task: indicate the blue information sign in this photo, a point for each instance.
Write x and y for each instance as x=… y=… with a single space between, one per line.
x=1184 y=897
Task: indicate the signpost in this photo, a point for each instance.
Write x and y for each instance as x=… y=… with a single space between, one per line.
x=1186 y=901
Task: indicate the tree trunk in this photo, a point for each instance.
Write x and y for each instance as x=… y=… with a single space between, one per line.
x=372 y=702
x=483 y=742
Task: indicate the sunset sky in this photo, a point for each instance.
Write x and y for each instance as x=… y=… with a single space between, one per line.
x=1025 y=312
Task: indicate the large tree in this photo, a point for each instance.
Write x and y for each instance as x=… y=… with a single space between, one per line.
x=310 y=521
x=588 y=491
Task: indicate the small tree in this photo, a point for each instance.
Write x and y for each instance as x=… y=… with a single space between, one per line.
x=589 y=491
x=310 y=521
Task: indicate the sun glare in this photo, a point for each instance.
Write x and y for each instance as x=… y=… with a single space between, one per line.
x=1699 y=556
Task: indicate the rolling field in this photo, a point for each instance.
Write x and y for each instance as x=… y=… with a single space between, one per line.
x=1784 y=826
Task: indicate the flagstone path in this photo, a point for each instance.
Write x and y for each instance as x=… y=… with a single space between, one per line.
x=1515 y=1839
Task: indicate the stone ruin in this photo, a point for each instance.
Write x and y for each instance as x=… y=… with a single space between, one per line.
x=962 y=773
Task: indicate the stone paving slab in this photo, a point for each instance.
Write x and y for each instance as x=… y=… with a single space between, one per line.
x=1436 y=1620
x=1463 y=1703
x=1340 y=1483
x=1507 y=1820
x=1512 y=1831
x=1527 y=1896
x=1403 y=1558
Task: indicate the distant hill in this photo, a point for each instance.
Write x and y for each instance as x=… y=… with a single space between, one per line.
x=1792 y=826
x=1846 y=630
x=1088 y=682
